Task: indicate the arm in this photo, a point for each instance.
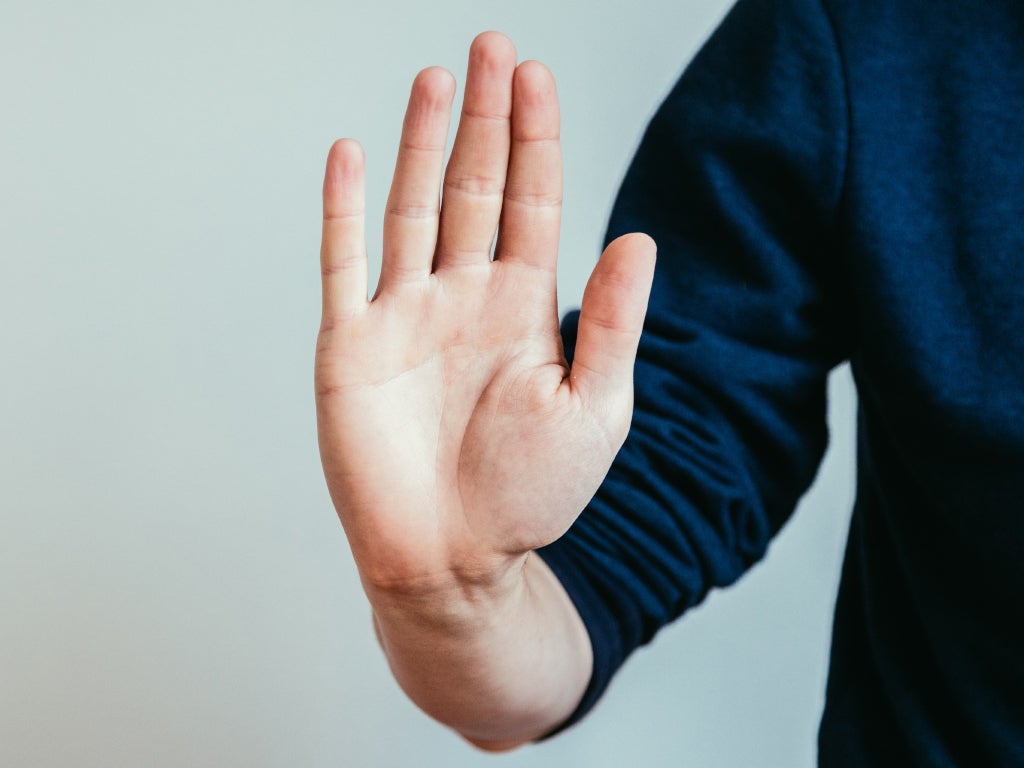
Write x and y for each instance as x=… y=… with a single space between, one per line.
x=740 y=180
x=455 y=438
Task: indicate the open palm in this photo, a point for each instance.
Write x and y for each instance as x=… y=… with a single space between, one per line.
x=454 y=436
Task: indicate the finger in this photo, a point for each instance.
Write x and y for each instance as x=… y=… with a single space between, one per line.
x=475 y=178
x=411 y=219
x=611 y=319
x=532 y=209
x=343 y=242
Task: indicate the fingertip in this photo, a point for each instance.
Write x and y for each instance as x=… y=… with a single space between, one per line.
x=626 y=269
x=492 y=46
x=534 y=85
x=345 y=152
x=430 y=103
x=535 y=103
x=433 y=91
x=629 y=260
x=648 y=242
x=534 y=71
x=635 y=245
x=343 y=174
x=437 y=83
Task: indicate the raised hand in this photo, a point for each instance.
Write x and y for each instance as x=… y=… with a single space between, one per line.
x=454 y=437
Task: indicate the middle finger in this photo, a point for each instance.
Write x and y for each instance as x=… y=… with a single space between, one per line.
x=475 y=178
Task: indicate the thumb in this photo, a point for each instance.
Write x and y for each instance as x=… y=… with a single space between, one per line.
x=611 y=319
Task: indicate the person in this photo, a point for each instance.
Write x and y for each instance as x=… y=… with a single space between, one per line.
x=829 y=180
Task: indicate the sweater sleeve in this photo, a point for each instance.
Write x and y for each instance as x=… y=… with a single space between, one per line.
x=738 y=179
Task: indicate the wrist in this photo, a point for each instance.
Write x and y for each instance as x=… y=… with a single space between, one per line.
x=451 y=602
x=501 y=661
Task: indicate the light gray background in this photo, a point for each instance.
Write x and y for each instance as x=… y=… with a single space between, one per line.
x=175 y=588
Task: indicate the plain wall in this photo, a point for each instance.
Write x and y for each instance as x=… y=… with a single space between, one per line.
x=175 y=589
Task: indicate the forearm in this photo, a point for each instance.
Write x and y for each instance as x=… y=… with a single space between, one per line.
x=501 y=663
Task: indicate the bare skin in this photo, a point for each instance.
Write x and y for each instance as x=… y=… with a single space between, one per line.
x=455 y=439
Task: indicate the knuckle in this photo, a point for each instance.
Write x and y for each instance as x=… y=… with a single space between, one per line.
x=413 y=210
x=474 y=184
x=534 y=199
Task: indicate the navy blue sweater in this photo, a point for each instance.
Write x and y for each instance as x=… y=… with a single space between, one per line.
x=830 y=181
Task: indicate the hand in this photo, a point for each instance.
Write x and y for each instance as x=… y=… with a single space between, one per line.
x=454 y=437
